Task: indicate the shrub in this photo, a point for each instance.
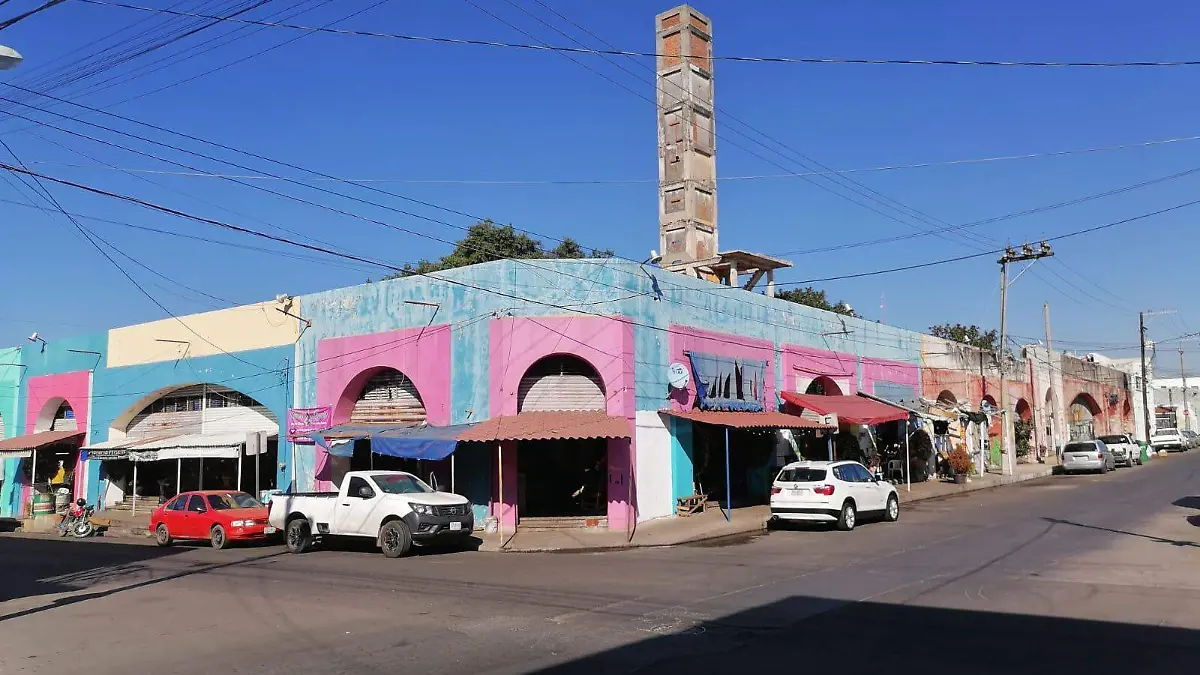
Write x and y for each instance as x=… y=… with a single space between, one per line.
x=960 y=461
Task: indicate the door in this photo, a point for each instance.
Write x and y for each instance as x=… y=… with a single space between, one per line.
x=195 y=519
x=173 y=515
x=867 y=491
x=354 y=511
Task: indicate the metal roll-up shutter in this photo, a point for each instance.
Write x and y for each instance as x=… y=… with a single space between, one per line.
x=229 y=411
x=389 y=398
x=179 y=412
x=560 y=383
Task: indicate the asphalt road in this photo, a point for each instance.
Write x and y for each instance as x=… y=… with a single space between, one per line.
x=1089 y=574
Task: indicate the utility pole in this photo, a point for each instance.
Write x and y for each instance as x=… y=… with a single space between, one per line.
x=1145 y=379
x=1007 y=465
x=1054 y=430
x=1187 y=415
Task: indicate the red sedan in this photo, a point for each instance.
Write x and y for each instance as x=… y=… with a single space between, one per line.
x=219 y=516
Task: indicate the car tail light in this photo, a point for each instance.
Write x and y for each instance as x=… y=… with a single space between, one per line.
x=776 y=490
x=826 y=490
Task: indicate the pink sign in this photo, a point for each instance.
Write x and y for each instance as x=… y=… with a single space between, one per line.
x=304 y=421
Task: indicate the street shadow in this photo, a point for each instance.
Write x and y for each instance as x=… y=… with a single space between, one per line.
x=1188 y=502
x=816 y=635
x=366 y=545
x=1150 y=537
x=35 y=567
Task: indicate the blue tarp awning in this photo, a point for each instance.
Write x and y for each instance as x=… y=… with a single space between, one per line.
x=420 y=442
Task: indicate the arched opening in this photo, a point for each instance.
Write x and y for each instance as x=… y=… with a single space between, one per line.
x=561 y=382
x=388 y=398
x=1023 y=429
x=824 y=386
x=385 y=397
x=1127 y=417
x=1081 y=416
x=55 y=415
x=191 y=437
x=1023 y=410
x=947 y=399
x=51 y=470
x=562 y=477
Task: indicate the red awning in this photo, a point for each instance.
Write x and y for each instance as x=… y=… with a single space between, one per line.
x=768 y=419
x=39 y=440
x=849 y=409
x=548 y=425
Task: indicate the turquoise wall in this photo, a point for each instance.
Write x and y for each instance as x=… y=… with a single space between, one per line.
x=261 y=374
x=10 y=411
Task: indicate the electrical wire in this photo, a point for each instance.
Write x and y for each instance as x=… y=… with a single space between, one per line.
x=623 y=52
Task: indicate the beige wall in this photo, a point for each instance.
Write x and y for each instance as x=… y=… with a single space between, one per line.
x=236 y=329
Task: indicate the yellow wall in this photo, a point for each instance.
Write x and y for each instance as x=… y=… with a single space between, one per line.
x=236 y=329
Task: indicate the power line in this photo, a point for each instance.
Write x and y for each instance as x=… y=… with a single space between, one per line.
x=26 y=15
x=624 y=52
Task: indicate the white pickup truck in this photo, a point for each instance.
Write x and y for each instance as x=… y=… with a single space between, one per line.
x=395 y=508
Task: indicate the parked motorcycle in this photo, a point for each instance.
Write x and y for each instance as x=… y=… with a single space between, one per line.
x=77 y=521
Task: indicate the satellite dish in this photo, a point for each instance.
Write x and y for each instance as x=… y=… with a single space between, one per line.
x=678 y=376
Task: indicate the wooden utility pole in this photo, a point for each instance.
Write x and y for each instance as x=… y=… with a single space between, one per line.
x=1187 y=415
x=1007 y=465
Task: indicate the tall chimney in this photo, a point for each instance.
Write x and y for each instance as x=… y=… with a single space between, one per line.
x=687 y=169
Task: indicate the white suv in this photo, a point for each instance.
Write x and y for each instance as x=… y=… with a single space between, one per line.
x=831 y=492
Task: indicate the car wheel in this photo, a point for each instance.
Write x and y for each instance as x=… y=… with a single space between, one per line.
x=218 y=537
x=298 y=536
x=395 y=539
x=848 y=518
x=892 y=512
x=162 y=536
x=1103 y=467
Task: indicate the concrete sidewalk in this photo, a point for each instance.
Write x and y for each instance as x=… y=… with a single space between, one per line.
x=713 y=526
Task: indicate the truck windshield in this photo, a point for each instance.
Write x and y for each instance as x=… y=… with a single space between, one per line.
x=401 y=484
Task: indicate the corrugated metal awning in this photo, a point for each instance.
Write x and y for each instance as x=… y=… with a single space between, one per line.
x=849 y=409
x=40 y=440
x=547 y=425
x=766 y=419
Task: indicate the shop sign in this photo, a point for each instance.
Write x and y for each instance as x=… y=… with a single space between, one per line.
x=103 y=454
x=303 y=421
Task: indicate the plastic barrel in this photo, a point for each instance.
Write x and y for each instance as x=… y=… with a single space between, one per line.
x=61 y=501
x=43 y=504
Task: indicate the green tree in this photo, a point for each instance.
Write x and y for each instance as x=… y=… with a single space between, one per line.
x=814 y=298
x=486 y=241
x=969 y=335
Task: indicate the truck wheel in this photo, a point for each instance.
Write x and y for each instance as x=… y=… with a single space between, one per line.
x=395 y=539
x=218 y=537
x=299 y=536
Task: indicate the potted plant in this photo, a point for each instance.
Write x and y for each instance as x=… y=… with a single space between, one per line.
x=960 y=464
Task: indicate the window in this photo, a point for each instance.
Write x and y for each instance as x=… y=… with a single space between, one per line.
x=356 y=486
x=841 y=473
x=232 y=500
x=1080 y=447
x=1114 y=440
x=861 y=474
x=178 y=503
x=196 y=505
x=802 y=475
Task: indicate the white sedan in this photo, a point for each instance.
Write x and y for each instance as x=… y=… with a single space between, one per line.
x=832 y=492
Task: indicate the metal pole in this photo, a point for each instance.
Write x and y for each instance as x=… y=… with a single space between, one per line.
x=178 y=475
x=728 y=490
x=258 y=468
x=239 y=470
x=1005 y=422
x=500 y=480
x=829 y=442
x=201 y=485
x=907 y=459
x=452 y=473
x=33 y=482
x=1145 y=379
x=134 y=487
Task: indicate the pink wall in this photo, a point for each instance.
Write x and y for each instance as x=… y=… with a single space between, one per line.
x=45 y=393
x=884 y=370
x=515 y=344
x=809 y=362
x=684 y=339
x=345 y=364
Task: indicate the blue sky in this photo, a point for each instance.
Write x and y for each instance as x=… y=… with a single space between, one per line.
x=362 y=107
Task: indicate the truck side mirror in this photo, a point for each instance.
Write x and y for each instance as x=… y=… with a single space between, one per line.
x=366 y=492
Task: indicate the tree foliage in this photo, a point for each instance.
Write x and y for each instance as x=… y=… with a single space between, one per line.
x=486 y=241
x=969 y=335
x=814 y=298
